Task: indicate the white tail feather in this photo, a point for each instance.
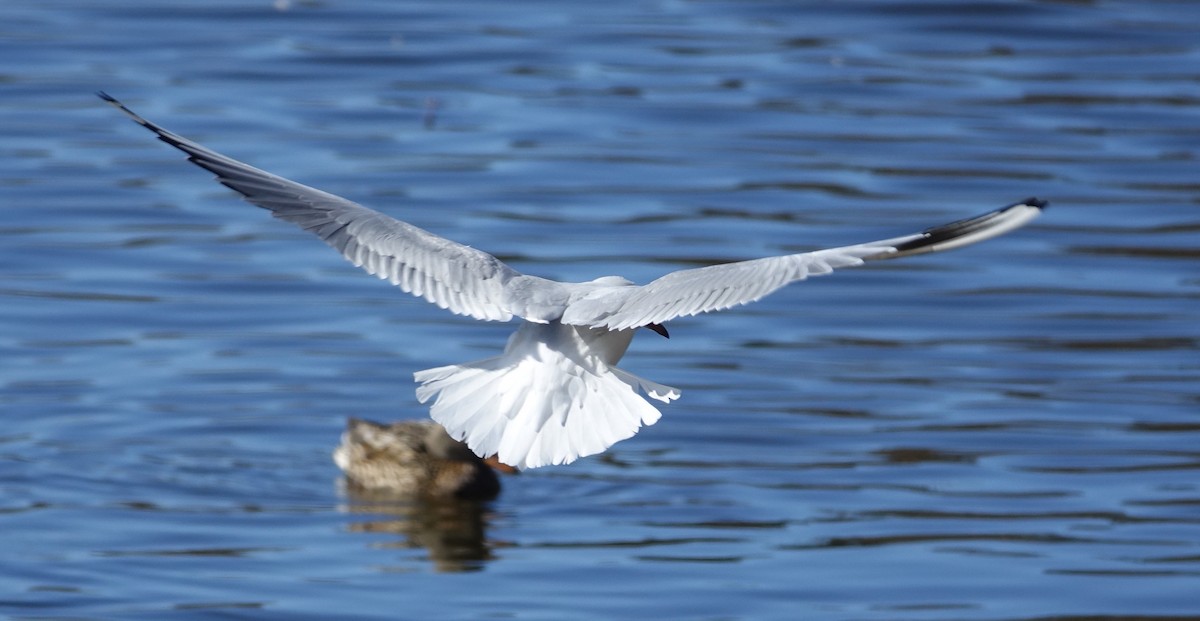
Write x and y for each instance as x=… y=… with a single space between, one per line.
x=551 y=398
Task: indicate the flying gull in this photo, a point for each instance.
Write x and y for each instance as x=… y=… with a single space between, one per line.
x=555 y=394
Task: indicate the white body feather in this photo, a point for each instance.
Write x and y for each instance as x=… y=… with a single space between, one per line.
x=554 y=395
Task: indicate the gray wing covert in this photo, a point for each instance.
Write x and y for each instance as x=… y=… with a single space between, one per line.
x=707 y=289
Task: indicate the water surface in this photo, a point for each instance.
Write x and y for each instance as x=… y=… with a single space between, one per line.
x=1005 y=432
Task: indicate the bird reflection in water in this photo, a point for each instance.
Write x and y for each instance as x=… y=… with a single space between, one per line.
x=426 y=487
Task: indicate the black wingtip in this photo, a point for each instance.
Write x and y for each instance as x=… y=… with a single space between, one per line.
x=116 y=103
x=163 y=134
x=951 y=235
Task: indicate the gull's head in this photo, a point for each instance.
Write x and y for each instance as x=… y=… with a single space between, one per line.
x=612 y=281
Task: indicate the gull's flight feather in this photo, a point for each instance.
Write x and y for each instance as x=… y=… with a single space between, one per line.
x=555 y=394
x=717 y=287
x=451 y=275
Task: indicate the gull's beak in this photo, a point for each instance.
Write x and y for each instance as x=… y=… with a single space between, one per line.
x=659 y=328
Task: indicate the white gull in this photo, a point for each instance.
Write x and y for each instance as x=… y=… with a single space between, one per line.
x=555 y=394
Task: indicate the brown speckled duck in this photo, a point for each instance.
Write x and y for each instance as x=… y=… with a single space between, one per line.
x=413 y=458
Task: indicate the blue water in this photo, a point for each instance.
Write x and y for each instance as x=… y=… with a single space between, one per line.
x=1006 y=432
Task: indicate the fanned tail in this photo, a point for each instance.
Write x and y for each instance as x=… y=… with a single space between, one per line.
x=536 y=405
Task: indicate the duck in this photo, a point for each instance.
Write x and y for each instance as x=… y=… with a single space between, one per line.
x=414 y=458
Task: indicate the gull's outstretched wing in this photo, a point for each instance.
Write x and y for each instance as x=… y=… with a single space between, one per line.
x=717 y=287
x=453 y=276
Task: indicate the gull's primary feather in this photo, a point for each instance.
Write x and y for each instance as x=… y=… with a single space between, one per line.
x=555 y=394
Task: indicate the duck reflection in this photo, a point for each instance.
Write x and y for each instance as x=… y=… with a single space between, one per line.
x=429 y=489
